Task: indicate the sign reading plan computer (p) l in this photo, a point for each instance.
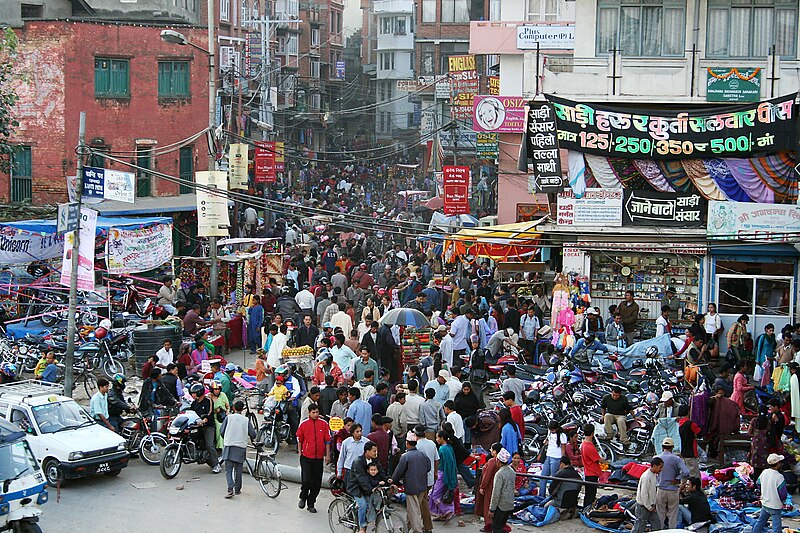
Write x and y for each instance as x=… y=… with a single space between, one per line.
x=456 y=190
x=547 y=37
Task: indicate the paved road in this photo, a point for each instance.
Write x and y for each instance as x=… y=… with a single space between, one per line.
x=114 y=504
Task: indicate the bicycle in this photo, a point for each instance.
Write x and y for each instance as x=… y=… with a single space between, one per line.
x=245 y=396
x=266 y=471
x=80 y=374
x=343 y=514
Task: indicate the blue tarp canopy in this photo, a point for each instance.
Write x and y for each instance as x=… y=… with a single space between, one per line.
x=103 y=224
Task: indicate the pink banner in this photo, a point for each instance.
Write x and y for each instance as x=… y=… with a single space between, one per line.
x=499 y=114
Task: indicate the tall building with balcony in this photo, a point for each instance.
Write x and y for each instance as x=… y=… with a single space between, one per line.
x=393 y=22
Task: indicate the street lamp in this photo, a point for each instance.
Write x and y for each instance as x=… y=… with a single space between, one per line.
x=174 y=37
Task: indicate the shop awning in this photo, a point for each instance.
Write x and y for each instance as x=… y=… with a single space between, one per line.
x=508 y=242
x=149 y=205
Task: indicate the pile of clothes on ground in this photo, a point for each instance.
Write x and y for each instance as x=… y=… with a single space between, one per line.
x=731 y=491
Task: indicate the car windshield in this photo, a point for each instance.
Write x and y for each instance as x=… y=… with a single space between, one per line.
x=58 y=416
x=16 y=460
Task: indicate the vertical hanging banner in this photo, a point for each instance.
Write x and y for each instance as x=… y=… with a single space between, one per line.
x=280 y=156
x=542 y=147
x=463 y=85
x=212 y=208
x=237 y=166
x=264 y=162
x=88 y=220
x=456 y=190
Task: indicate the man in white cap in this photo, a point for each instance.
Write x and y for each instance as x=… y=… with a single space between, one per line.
x=773 y=494
x=669 y=483
x=502 y=503
x=413 y=470
x=445 y=345
x=439 y=385
x=666 y=406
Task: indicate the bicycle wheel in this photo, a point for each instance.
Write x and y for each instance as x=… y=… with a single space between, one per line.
x=89 y=384
x=151 y=448
x=340 y=518
x=269 y=476
x=391 y=522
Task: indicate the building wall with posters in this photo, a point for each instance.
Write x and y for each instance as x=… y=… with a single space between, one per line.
x=110 y=71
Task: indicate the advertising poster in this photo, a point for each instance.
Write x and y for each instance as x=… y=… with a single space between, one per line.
x=733 y=131
x=280 y=156
x=456 y=190
x=597 y=207
x=18 y=246
x=237 y=166
x=463 y=85
x=85 y=252
x=106 y=184
x=264 y=162
x=501 y=114
x=487 y=145
x=212 y=209
x=546 y=37
x=138 y=250
x=751 y=221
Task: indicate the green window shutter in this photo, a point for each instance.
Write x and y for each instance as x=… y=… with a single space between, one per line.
x=180 y=78
x=186 y=171
x=119 y=78
x=164 y=74
x=101 y=77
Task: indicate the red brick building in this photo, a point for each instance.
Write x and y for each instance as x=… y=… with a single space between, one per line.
x=139 y=94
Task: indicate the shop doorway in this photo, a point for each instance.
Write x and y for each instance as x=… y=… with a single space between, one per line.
x=765 y=299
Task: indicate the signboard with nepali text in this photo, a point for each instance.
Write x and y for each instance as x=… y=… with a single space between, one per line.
x=131 y=250
x=733 y=84
x=597 y=207
x=678 y=209
x=542 y=148
x=733 y=131
x=455 y=182
x=464 y=85
x=85 y=251
x=503 y=114
x=751 y=221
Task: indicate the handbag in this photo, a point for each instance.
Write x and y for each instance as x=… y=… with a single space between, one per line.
x=449 y=496
x=220 y=415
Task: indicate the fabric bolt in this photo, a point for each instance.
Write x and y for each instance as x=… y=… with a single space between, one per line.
x=704 y=183
x=675 y=174
x=591 y=182
x=629 y=175
x=602 y=171
x=777 y=173
x=721 y=174
x=577 y=173
x=652 y=173
x=745 y=175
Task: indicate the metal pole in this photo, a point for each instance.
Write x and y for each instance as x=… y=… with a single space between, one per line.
x=73 y=280
x=213 y=271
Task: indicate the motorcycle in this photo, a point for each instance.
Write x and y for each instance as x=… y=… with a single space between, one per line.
x=140 y=439
x=275 y=427
x=142 y=307
x=186 y=445
x=107 y=354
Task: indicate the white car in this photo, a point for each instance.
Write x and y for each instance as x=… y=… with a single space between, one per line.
x=64 y=439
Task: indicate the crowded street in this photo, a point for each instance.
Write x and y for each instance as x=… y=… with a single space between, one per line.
x=403 y=266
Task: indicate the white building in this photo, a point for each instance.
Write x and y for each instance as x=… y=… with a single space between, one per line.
x=394 y=57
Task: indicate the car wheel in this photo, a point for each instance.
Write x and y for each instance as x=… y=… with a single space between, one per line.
x=53 y=472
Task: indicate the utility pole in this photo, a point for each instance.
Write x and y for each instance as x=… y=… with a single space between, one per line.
x=213 y=270
x=69 y=378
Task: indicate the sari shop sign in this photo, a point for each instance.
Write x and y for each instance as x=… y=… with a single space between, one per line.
x=749 y=221
x=456 y=190
x=138 y=250
x=597 y=207
x=646 y=208
x=501 y=114
x=733 y=131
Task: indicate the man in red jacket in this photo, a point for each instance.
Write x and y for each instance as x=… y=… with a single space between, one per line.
x=313 y=437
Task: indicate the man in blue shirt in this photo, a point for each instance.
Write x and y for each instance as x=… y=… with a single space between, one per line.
x=359 y=410
x=440 y=386
x=669 y=483
x=50 y=372
x=98 y=405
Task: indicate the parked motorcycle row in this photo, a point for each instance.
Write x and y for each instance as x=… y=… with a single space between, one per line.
x=570 y=394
